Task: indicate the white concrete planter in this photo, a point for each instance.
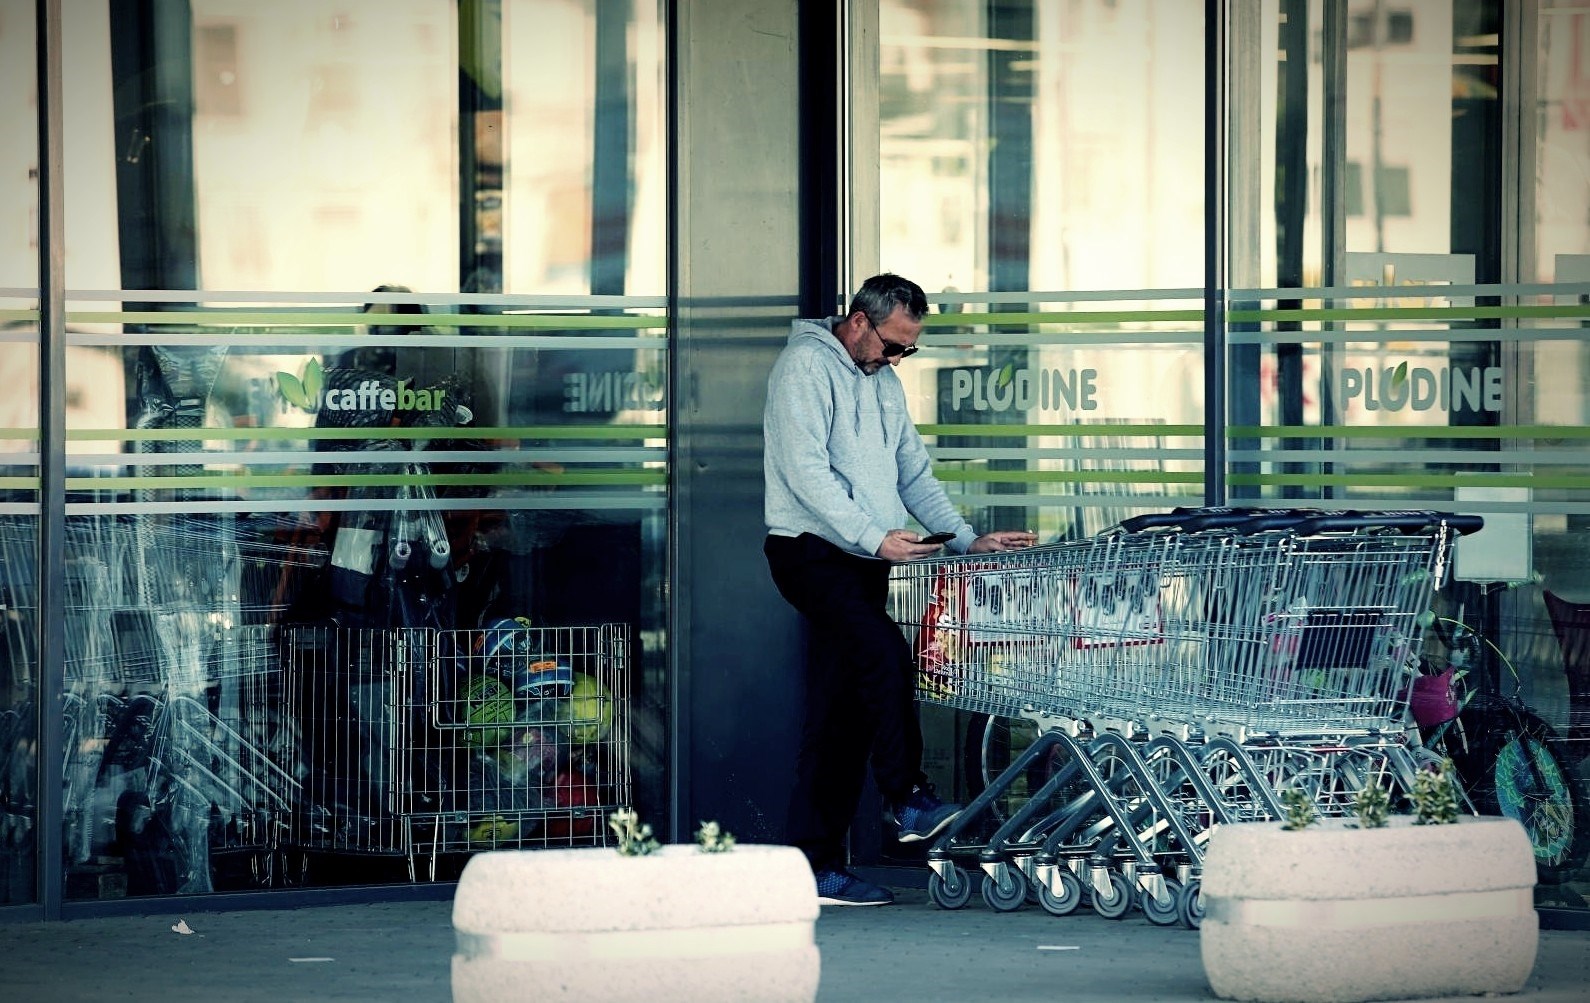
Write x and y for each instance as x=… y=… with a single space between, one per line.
x=1333 y=914
x=674 y=925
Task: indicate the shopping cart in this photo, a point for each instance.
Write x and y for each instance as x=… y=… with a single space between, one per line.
x=172 y=753
x=1182 y=669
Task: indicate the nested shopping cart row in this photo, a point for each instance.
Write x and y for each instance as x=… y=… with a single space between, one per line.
x=1183 y=669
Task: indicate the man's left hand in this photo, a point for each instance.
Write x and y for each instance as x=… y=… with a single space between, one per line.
x=1002 y=539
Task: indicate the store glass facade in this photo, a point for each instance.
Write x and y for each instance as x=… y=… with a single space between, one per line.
x=1395 y=248
x=412 y=354
x=367 y=435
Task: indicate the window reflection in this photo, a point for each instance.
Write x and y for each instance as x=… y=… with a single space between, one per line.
x=387 y=379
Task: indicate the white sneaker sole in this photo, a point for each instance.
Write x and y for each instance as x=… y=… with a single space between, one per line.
x=917 y=837
x=824 y=900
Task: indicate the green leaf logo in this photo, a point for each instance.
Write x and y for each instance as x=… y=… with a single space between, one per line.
x=292 y=390
x=314 y=379
x=1006 y=374
x=1400 y=376
x=304 y=392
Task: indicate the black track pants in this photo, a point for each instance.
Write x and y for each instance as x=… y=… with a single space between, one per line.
x=859 y=691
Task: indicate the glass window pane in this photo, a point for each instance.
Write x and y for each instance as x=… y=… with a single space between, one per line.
x=19 y=454
x=1036 y=208
x=377 y=455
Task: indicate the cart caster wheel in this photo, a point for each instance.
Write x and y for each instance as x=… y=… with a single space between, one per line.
x=1190 y=904
x=1070 y=896
x=1162 y=911
x=1116 y=902
x=952 y=893
x=1008 y=895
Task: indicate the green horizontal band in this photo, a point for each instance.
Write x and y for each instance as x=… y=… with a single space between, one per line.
x=591 y=478
x=1456 y=479
x=1561 y=311
x=1546 y=432
x=982 y=475
x=1076 y=431
x=619 y=433
x=966 y=320
x=1456 y=313
x=223 y=319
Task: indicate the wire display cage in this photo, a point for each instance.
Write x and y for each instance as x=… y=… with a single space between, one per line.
x=421 y=742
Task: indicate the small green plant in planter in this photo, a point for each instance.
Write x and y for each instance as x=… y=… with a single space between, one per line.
x=1372 y=805
x=712 y=838
x=634 y=836
x=1434 y=796
x=1297 y=809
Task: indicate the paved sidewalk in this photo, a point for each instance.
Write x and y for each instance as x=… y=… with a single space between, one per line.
x=911 y=951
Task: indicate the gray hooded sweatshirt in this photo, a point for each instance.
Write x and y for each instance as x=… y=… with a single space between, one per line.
x=841 y=457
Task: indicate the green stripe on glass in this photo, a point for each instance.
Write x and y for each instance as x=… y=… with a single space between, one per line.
x=628 y=478
x=1457 y=479
x=221 y=318
x=1545 y=432
x=1076 y=431
x=983 y=476
x=939 y=321
x=1378 y=313
x=617 y=433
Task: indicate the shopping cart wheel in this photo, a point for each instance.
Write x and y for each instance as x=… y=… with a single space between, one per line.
x=1116 y=902
x=1190 y=904
x=951 y=893
x=1007 y=895
x=1064 y=902
x=1161 y=909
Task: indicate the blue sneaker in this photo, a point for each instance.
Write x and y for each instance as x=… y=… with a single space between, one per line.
x=920 y=816
x=844 y=888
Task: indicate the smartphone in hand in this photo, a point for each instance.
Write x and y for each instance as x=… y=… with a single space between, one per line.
x=937 y=538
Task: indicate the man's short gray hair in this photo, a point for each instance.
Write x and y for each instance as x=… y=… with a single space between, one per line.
x=880 y=295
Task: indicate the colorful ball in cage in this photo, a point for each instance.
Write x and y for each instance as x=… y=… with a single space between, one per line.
x=540 y=678
x=579 y=798
x=504 y=646
x=493 y=832
x=533 y=756
x=590 y=709
x=487 y=703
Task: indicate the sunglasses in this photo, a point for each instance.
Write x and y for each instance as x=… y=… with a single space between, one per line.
x=891 y=349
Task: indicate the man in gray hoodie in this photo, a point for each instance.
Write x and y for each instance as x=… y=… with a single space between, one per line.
x=844 y=466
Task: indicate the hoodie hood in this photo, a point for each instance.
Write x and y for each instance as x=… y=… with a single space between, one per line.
x=864 y=391
x=841 y=457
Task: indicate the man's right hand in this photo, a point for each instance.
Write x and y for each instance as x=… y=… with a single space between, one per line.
x=902 y=545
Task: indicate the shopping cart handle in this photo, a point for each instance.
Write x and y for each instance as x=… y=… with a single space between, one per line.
x=1188 y=519
x=1403 y=521
x=1181 y=518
